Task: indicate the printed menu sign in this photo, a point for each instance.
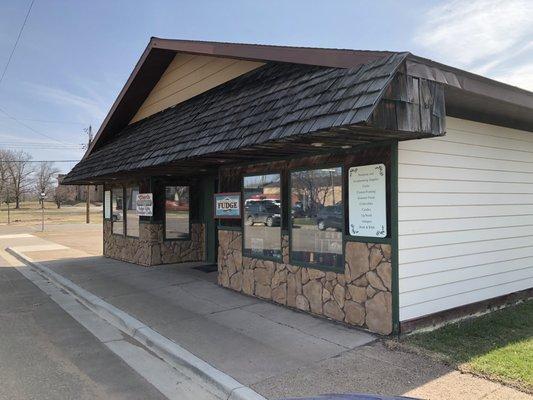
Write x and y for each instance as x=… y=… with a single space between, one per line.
x=107 y=204
x=367 y=201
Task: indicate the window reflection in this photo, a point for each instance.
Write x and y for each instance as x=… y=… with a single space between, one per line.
x=132 y=217
x=317 y=217
x=118 y=212
x=177 y=212
x=262 y=216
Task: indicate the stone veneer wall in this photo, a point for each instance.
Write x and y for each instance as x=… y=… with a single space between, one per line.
x=150 y=248
x=360 y=296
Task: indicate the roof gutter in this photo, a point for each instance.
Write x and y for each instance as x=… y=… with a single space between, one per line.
x=424 y=68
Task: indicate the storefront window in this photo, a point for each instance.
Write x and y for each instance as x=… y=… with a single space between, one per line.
x=117 y=217
x=132 y=218
x=262 y=216
x=177 y=212
x=317 y=217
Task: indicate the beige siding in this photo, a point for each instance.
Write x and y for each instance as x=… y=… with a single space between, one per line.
x=465 y=217
x=189 y=75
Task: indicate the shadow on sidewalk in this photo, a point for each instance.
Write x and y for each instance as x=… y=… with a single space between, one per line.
x=277 y=351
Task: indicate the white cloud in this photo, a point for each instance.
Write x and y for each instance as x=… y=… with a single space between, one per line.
x=489 y=37
x=88 y=106
x=520 y=76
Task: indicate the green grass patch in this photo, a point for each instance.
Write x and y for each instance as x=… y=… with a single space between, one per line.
x=498 y=345
x=304 y=221
x=30 y=212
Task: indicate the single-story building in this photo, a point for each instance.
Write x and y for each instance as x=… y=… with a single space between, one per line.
x=379 y=189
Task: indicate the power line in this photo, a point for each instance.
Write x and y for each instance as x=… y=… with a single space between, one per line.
x=29 y=127
x=40 y=148
x=5 y=70
x=31 y=142
x=42 y=145
x=39 y=161
x=47 y=121
x=16 y=41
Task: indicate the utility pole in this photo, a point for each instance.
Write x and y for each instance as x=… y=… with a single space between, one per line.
x=89 y=132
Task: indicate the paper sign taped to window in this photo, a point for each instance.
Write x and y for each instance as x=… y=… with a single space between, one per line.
x=107 y=204
x=145 y=204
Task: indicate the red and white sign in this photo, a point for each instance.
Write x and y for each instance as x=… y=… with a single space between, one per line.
x=145 y=204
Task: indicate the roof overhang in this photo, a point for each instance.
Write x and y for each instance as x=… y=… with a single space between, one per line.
x=160 y=52
x=475 y=97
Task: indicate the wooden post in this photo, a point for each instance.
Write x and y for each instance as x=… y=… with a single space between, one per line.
x=42 y=211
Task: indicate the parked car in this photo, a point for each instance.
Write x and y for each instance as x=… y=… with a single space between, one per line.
x=171 y=205
x=117 y=216
x=264 y=211
x=297 y=210
x=330 y=217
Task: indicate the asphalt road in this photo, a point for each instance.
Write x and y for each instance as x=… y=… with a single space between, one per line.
x=46 y=354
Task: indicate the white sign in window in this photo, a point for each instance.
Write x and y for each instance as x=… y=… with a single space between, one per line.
x=145 y=204
x=367 y=201
x=107 y=204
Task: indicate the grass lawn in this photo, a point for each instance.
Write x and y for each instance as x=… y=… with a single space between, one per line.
x=30 y=213
x=304 y=221
x=498 y=346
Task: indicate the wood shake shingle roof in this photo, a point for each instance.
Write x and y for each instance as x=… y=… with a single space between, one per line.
x=275 y=102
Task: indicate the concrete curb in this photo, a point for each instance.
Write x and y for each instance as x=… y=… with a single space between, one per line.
x=168 y=350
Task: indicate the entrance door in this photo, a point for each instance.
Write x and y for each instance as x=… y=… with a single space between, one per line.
x=209 y=185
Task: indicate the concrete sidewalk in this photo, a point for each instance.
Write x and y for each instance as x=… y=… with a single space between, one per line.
x=276 y=351
x=249 y=339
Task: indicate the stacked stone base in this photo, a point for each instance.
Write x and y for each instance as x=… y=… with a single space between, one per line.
x=150 y=248
x=359 y=296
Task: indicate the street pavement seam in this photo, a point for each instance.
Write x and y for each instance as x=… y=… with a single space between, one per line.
x=300 y=330
x=169 y=351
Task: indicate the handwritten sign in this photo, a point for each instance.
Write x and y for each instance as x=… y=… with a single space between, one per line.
x=367 y=201
x=145 y=204
x=227 y=205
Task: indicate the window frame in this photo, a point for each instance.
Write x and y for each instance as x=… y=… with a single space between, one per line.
x=165 y=238
x=125 y=205
x=327 y=268
x=281 y=196
x=123 y=234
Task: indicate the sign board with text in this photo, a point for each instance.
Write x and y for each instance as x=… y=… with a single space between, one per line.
x=107 y=204
x=228 y=205
x=145 y=204
x=367 y=201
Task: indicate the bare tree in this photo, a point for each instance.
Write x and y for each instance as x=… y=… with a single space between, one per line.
x=64 y=193
x=20 y=172
x=311 y=190
x=5 y=183
x=44 y=176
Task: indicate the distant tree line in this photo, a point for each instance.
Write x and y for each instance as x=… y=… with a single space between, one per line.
x=20 y=178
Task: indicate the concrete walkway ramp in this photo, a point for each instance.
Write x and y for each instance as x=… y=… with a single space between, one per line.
x=249 y=339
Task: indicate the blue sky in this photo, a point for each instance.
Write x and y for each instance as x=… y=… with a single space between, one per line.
x=74 y=56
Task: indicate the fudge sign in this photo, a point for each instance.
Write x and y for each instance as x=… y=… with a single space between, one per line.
x=367 y=201
x=227 y=205
x=145 y=204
